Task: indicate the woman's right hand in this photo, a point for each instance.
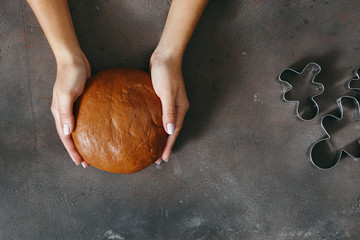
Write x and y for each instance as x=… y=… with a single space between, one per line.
x=71 y=76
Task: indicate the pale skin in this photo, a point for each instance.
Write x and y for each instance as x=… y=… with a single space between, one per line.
x=73 y=67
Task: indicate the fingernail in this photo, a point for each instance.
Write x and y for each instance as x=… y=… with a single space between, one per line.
x=84 y=164
x=66 y=129
x=170 y=128
x=158 y=161
x=164 y=158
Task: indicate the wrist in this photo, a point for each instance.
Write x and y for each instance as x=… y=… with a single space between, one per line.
x=169 y=52
x=68 y=56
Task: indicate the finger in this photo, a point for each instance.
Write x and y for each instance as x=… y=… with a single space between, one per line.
x=71 y=149
x=64 y=131
x=66 y=114
x=158 y=161
x=168 y=147
x=169 y=114
x=181 y=111
x=67 y=142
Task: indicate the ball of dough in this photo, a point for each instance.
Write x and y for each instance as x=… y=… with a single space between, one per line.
x=119 y=121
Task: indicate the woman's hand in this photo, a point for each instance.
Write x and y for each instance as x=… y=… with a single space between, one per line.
x=70 y=81
x=72 y=66
x=165 y=66
x=168 y=83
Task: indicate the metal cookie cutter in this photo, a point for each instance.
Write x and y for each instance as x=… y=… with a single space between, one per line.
x=311 y=69
x=327 y=152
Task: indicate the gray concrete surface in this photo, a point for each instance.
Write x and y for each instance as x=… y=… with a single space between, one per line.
x=240 y=169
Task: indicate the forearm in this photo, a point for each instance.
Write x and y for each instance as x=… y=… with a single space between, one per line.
x=180 y=24
x=55 y=20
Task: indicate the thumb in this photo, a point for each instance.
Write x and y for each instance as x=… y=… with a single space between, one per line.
x=169 y=114
x=66 y=115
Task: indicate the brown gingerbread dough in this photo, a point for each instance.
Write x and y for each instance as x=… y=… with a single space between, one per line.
x=118 y=121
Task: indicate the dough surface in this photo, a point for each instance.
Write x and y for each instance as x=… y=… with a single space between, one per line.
x=118 y=123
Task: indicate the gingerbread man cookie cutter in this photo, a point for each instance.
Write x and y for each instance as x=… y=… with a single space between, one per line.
x=324 y=153
x=312 y=69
